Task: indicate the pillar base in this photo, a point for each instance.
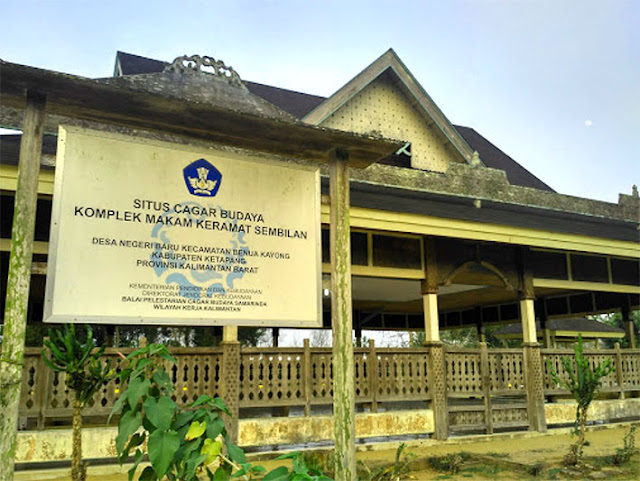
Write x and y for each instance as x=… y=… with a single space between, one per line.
x=436 y=375
x=535 y=386
x=231 y=381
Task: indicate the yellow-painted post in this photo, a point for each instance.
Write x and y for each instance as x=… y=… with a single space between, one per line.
x=341 y=319
x=231 y=378
x=19 y=279
x=528 y=319
x=534 y=383
x=436 y=366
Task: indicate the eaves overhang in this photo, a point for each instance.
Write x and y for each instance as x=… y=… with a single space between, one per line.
x=76 y=97
x=467 y=208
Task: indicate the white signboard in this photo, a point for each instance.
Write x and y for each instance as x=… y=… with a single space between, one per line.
x=151 y=232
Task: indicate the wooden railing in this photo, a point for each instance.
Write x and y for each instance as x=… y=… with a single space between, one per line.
x=281 y=377
x=464 y=367
x=304 y=376
x=624 y=377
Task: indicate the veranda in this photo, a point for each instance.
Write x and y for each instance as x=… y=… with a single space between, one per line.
x=482 y=389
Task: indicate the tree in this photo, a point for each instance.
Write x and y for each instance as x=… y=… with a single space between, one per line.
x=460 y=337
x=615 y=319
x=320 y=338
x=583 y=382
x=80 y=361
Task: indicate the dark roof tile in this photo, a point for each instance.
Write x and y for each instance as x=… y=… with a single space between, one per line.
x=495 y=158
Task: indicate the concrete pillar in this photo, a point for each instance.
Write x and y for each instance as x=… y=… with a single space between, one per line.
x=231 y=378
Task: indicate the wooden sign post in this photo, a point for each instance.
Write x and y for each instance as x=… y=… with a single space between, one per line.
x=341 y=319
x=19 y=280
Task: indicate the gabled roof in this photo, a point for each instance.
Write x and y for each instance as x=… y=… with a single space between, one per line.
x=389 y=63
x=301 y=105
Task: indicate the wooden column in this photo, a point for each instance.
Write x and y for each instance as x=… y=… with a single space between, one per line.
x=546 y=333
x=275 y=336
x=306 y=359
x=358 y=331
x=42 y=394
x=341 y=320
x=629 y=328
x=429 y=290
x=436 y=373
x=374 y=375
x=231 y=378
x=437 y=381
x=480 y=329
x=528 y=319
x=19 y=279
x=486 y=387
x=534 y=382
x=618 y=370
x=535 y=386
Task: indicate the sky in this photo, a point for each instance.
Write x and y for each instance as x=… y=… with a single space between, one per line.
x=554 y=84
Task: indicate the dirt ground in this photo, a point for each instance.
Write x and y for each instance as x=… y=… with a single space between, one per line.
x=547 y=450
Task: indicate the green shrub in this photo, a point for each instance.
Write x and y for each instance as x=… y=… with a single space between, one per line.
x=624 y=454
x=583 y=383
x=398 y=470
x=182 y=443
x=450 y=463
x=85 y=374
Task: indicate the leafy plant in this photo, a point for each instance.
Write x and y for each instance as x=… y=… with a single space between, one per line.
x=536 y=469
x=301 y=470
x=553 y=473
x=182 y=442
x=624 y=454
x=583 y=382
x=450 y=463
x=80 y=361
x=398 y=470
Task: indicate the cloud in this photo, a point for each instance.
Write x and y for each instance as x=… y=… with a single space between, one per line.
x=588 y=123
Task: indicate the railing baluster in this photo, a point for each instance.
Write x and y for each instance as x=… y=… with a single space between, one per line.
x=372 y=370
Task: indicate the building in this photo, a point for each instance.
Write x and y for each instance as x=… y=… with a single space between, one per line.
x=447 y=232
x=485 y=216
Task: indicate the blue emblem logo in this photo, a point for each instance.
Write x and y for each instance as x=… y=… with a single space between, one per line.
x=202 y=178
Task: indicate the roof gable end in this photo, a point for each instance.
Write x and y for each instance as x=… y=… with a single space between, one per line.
x=389 y=62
